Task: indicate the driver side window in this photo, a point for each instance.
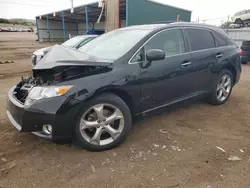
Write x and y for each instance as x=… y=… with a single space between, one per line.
x=170 y=41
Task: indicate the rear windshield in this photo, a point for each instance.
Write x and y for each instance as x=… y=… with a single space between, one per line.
x=114 y=44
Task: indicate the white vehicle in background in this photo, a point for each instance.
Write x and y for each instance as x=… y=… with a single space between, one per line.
x=75 y=42
x=233 y=26
x=241 y=17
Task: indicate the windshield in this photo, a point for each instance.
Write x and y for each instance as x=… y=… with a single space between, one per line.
x=73 y=41
x=114 y=44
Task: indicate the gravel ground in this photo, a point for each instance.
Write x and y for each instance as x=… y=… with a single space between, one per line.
x=187 y=146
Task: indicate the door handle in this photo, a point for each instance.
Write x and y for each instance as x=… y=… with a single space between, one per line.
x=186 y=64
x=219 y=56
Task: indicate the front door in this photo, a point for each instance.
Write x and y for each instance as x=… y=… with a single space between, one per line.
x=165 y=81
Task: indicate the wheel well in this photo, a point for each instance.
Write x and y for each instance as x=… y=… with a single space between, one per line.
x=233 y=71
x=238 y=21
x=120 y=93
x=124 y=96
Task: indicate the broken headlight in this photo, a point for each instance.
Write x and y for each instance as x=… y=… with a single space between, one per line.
x=38 y=93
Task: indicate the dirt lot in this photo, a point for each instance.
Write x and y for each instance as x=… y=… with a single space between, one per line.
x=176 y=148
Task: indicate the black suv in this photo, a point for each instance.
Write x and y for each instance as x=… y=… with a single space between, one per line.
x=91 y=94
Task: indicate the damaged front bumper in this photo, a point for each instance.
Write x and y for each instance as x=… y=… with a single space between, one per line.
x=25 y=120
x=46 y=112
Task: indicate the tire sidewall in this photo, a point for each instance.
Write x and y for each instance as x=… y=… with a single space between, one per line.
x=214 y=92
x=103 y=99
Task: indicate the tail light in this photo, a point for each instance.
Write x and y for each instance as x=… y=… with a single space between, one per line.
x=240 y=52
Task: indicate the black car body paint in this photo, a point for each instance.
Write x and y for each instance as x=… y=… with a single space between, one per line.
x=143 y=86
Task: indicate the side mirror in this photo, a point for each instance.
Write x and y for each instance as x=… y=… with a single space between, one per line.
x=155 y=55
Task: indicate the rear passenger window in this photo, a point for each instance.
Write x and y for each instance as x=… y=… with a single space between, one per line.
x=200 y=39
x=219 y=41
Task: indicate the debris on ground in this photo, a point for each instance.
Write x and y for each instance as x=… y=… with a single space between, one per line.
x=4 y=160
x=9 y=167
x=234 y=158
x=242 y=151
x=140 y=154
x=6 y=62
x=156 y=145
x=222 y=177
x=164 y=132
x=219 y=148
x=18 y=143
x=175 y=148
x=132 y=150
x=108 y=160
x=163 y=147
x=93 y=168
x=12 y=165
x=173 y=186
x=111 y=169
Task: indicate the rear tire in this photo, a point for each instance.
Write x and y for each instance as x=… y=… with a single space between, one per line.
x=103 y=123
x=222 y=88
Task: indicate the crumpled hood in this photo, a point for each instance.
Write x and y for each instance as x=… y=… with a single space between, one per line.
x=42 y=51
x=62 y=56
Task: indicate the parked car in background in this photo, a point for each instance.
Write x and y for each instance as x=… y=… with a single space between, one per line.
x=75 y=42
x=245 y=52
x=90 y=95
x=241 y=16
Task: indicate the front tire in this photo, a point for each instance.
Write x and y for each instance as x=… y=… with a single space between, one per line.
x=222 y=88
x=103 y=123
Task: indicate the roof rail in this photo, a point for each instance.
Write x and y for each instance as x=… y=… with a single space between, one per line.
x=166 y=22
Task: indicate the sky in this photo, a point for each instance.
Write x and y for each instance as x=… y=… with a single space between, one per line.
x=207 y=10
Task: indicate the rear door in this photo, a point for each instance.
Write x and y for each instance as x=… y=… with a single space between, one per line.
x=203 y=51
x=227 y=52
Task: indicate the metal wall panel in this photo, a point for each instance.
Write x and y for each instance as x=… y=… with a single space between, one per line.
x=146 y=12
x=239 y=35
x=55 y=30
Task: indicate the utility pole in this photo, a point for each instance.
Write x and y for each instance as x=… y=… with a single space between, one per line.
x=72 y=6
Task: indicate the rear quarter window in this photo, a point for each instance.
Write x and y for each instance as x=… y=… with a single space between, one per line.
x=219 y=40
x=200 y=39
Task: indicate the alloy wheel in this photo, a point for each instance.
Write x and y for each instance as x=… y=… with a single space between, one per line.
x=101 y=124
x=224 y=87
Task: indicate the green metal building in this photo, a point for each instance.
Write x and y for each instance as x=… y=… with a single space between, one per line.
x=59 y=25
x=149 y=11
